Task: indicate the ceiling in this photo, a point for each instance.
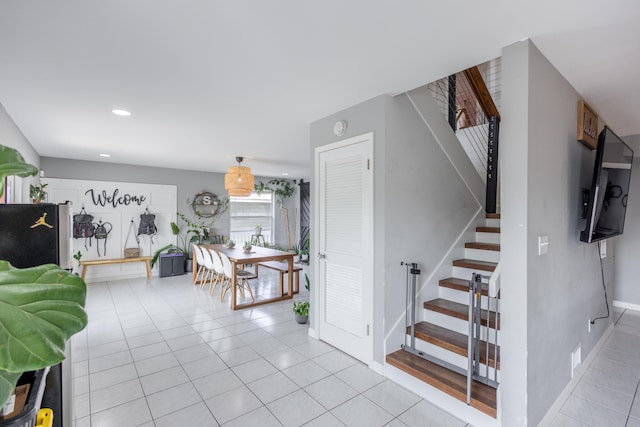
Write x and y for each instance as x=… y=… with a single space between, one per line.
x=207 y=80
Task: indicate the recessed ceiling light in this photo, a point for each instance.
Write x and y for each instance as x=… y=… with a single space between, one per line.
x=105 y=155
x=285 y=174
x=121 y=112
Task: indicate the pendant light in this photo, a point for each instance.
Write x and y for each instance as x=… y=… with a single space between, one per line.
x=238 y=180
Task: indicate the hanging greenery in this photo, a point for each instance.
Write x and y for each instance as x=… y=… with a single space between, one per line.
x=282 y=190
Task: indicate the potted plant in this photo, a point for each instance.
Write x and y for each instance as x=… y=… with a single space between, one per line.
x=37 y=192
x=77 y=257
x=258 y=231
x=42 y=307
x=197 y=232
x=301 y=308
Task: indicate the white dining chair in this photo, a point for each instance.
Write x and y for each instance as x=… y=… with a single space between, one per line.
x=218 y=271
x=241 y=275
x=202 y=269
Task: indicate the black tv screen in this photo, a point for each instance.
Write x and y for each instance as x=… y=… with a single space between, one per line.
x=607 y=203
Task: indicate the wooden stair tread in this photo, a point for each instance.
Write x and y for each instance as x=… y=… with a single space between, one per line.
x=483 y=397
x=452 y=341
x=492 y=216
x=475 y=264
x=458 y=284
x=483 y=246
x=457 y=310
x=488 y=229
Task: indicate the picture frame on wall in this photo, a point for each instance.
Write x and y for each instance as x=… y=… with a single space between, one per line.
x=587 y=125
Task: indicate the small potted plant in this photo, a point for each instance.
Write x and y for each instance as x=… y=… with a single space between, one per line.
x=77 y=257
x=301 y=308
x=37 y=192
x=301 y=311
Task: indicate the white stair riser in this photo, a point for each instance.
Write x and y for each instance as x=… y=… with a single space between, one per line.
x=466 y=273
x=492 y=222
x=487 y=237
x=482 y=255
x=460 y=297
x=455 y=324
x=449 y=356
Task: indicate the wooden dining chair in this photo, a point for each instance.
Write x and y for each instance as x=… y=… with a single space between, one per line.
x=218 y=271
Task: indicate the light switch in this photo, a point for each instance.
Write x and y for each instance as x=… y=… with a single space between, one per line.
x=543 y=245
x=603 y=249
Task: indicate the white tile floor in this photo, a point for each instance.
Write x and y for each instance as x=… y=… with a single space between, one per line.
x=164 y=353
x=607 y=393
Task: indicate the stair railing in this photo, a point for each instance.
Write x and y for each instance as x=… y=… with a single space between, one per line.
x=410 y=321
x=466 y=99
x=476 y=336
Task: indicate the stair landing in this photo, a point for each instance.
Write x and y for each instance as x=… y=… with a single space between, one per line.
x=483 y=397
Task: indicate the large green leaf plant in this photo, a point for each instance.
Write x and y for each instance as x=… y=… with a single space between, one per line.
x=40 y=307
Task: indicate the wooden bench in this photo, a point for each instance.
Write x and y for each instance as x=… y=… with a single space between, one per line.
x=283 y=268
x=89 y=263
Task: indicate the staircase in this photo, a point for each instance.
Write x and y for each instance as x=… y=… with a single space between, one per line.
x=443 y=333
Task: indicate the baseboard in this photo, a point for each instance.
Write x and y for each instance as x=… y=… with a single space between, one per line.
x=547 y=420
x=377 y=367
x=313 y=333
x=626 y=305
x=439 y=398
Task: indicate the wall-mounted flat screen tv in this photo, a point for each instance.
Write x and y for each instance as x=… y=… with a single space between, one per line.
x=607 y=202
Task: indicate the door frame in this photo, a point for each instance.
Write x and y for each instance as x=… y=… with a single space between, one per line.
x=368 y=312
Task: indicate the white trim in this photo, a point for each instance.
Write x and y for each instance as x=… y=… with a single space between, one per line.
x=377 y=367
x=313 y=333
x=439 y=398
x=547 y=420
x=626 y=305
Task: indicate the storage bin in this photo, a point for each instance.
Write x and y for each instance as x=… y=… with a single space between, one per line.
x=171 y=265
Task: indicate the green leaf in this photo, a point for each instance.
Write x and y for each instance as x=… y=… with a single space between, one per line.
x=12 y=163
x=40 y=309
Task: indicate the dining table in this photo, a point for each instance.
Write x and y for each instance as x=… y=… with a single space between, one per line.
x=257 y=254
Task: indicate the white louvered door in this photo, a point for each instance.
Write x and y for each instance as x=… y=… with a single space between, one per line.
x=345 y=242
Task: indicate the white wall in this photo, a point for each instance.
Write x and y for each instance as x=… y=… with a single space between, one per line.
x=11 y=136
x=546 y=300
x=626 y=266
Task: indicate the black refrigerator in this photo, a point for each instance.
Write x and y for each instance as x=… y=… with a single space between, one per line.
x=32 y=235
x=36 y=234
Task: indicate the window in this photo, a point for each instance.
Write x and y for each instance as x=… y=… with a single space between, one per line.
x=247 y=212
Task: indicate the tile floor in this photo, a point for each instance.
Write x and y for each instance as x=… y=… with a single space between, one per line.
x=164 y=353
x=607 y=394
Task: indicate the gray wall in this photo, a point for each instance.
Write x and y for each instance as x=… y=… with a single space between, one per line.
x=189 y=183
x=427 y=202
x=11 y=136
x=627 y=268
x=546 y=300
x=421 y=204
